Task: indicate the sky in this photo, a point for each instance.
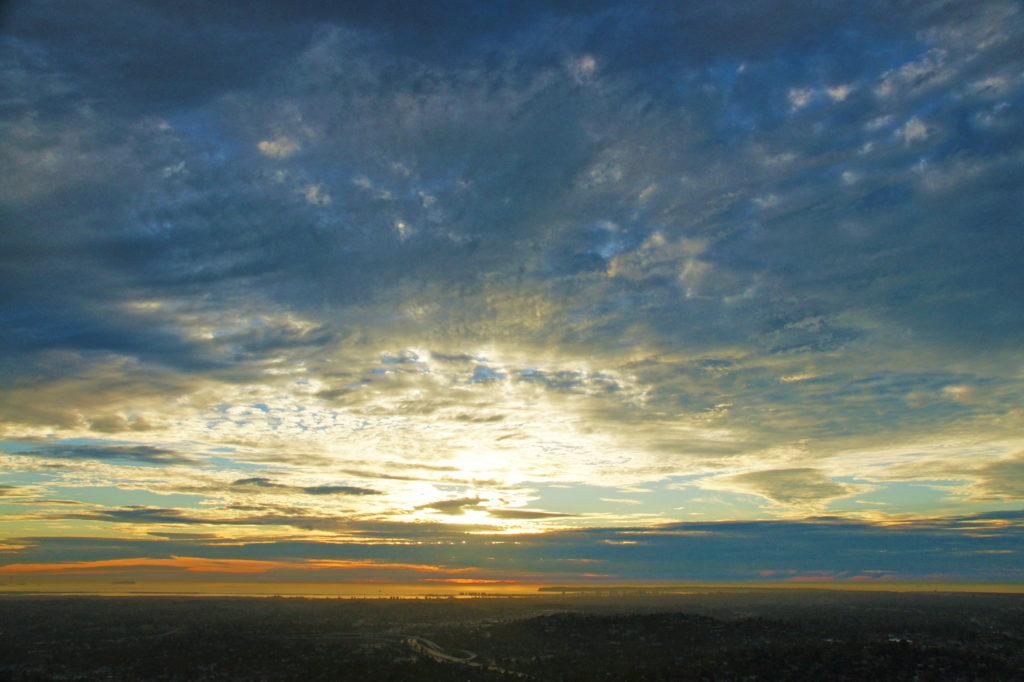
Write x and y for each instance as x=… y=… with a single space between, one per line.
x=511 y=292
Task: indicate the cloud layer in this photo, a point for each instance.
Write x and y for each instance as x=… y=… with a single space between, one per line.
x=293 y=270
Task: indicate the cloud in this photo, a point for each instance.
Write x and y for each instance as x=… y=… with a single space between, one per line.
x=973 y=473
x=912 y=131
x=234 y=517
x=260 y=482
x=462 y=505
x=790 y=487
x=582 y=68
x=338 y=490
x=455 y=506
x=188 y=564
x=976 y=548
x=280 y=148
x=141 y=515
x=138 y=454
x=525 y=514
x=183 y=536
x=1003 y=478
x=448 y=251
x=470 y=581
x=205 y=565
x=927 y=71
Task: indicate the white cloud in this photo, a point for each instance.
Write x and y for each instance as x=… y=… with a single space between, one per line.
x=799 y=98
x=839 y=93
x=403 y=229
x=279 y=147
x=990 y=86
x=912 y=131
x=928 y=71
x=317 y=195
x=582 y=68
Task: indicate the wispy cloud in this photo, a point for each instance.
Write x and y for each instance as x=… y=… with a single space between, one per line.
x=265 y=483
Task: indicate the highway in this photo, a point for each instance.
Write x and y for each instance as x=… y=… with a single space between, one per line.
x=424 y=646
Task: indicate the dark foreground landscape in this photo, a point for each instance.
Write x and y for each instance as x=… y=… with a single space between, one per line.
x=723 y=635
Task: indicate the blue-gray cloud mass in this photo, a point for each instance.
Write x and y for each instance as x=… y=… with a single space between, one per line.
x=350 y=262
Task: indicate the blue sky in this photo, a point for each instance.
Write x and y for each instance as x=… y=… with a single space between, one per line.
x=406 y=285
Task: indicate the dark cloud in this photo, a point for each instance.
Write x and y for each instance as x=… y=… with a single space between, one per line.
x=462 y=504
x=455 y=506
x=338 y=490
x=931 y=549
x=183 y=536
x=137 y=514
x=141 y=56
x=270 y=515
x=499 y=170
x=525 y=514
x=260 y=482
x=776 y=550
x=137 y=454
